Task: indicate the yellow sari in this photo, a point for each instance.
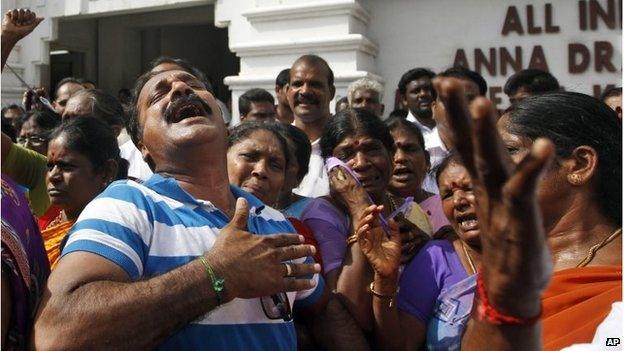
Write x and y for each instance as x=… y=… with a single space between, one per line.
x=53 y=235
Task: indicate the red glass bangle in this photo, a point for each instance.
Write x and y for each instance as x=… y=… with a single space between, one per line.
x=487 y=313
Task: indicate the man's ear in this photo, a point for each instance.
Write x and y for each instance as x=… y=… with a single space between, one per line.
x=146 y=155
x=403 y=101
x=383 y=108
x=332 y=92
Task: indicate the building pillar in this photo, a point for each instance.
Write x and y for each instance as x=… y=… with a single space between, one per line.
x=268 y=36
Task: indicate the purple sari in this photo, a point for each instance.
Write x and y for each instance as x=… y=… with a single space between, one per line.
x=24 y=261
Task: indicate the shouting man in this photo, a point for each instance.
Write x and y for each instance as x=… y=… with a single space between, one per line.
x=183 y=260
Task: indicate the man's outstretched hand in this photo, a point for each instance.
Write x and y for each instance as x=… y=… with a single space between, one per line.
x=516 y=261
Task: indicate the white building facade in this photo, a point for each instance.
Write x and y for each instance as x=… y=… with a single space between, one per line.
x=579 y=42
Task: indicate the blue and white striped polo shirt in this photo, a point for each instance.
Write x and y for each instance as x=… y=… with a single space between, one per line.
x=154 y=227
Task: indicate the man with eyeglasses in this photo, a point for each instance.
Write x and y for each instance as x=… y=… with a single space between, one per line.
x=183 y=260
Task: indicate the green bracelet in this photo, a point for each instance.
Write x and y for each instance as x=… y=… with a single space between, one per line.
x=217 y=283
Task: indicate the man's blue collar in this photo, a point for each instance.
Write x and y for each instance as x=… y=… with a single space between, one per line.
x=169 y=187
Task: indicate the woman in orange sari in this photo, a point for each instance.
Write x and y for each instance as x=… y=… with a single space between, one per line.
x=83 y=159
x=548 y=182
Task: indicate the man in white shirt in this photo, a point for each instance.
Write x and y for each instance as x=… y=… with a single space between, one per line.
x=310 y=89
x=417 y=95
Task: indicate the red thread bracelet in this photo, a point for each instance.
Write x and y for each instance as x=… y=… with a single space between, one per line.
x=487 y=313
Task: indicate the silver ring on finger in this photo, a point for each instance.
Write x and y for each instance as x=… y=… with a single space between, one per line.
x=289 y=269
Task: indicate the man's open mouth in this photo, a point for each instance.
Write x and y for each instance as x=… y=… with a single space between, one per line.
x=186 y=107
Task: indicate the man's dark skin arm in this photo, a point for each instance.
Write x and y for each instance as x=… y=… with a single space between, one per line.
x=516 y=262
x=91 y=303
x=335 y=329
x=99 y=307
x=16 y=24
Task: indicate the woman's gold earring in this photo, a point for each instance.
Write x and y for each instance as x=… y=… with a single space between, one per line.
x=574 y=178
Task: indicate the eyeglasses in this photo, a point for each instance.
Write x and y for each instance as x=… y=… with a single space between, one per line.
x=34 y=140
x=277 y=307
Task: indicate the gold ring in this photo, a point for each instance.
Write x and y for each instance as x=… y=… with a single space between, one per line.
x=288 y=269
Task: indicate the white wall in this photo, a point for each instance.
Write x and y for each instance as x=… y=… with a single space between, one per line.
x=31 y=56
x=268 y=35
x=378 y=38
x=427 y=33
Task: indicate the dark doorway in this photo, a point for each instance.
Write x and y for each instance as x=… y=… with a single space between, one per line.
x=64 y=64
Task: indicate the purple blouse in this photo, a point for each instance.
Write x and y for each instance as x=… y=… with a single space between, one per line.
x=331 y=230
x=436 y=267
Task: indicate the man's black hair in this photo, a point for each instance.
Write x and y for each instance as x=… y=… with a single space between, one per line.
x=124 y=95
x=282 y=78
x=134 y=127
x=104 y=106
x=85 y=80
x=402 y=113
x=615 y=91
x=12 y=107
x=351 y=122
x=253 y=95
x=412 y=75
x=186 y=66
x=317 y=60
x=63 y=82
x=8 y=129
x=343 y=100
x=571 y=120
x=462 y=72
x=534 y=81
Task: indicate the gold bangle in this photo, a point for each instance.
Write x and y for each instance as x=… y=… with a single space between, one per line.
x=371 y=288
x=352 y=239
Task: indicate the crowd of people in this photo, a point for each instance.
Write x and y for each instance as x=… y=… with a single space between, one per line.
x=145 y=221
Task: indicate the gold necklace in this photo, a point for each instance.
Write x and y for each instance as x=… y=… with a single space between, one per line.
x=592 y=250
x=472 y=265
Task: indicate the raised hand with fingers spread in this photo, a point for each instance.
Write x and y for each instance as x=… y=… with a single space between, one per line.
x=516 y=260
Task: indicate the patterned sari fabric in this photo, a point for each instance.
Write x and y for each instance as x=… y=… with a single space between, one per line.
x=23 y=261
x=53 y=236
